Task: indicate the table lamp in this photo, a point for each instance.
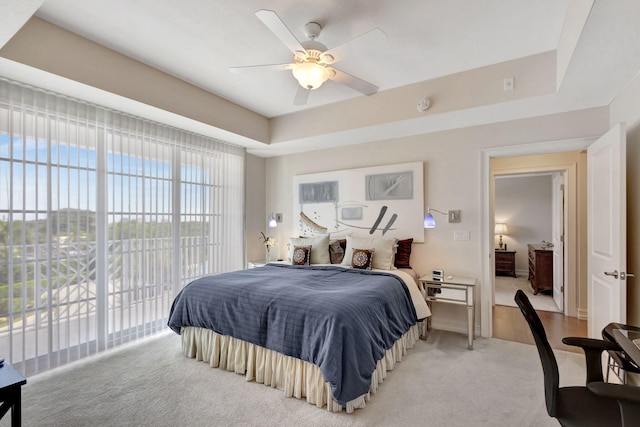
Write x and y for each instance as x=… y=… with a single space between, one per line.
x=501 y=229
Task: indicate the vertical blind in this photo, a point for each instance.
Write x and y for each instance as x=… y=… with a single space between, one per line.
x=104 y=217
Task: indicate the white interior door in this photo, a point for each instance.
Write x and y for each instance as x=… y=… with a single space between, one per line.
x=607 y=226
x=557 y=238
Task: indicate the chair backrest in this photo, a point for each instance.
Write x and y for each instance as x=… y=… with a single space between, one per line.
x=548 y=359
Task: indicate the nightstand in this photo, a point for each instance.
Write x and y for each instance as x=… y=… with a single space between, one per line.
x=505 y=263
x=453 y=290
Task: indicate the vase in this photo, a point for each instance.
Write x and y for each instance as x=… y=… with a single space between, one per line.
x=268 y=257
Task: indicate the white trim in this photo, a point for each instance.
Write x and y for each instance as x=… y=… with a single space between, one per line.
x=487 y=238
x=583 y=314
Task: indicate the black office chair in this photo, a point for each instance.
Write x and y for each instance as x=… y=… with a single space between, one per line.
x=618 y=361
x=598 y=404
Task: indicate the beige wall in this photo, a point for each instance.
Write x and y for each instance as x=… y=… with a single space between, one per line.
x=452 y=180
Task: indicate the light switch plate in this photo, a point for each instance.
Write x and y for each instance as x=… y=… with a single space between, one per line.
x=454 y=215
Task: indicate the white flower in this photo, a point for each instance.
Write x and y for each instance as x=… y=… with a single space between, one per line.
x=269 y=242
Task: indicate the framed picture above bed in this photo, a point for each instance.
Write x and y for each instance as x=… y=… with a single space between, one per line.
x=375 y=201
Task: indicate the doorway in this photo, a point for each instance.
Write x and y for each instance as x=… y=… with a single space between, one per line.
x=530 y=209
x=530 y=218
x=568 y=156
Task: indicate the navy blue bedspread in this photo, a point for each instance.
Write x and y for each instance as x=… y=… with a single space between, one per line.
x=341 y=320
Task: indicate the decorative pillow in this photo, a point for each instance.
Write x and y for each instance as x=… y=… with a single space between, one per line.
x=319 y=248
x=301 y=255
x=384 y=247
x=362 y=258
x=336 y=250
x=403 y=253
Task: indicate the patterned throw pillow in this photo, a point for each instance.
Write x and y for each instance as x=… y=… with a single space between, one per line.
x=362 y=258
x=301 y=255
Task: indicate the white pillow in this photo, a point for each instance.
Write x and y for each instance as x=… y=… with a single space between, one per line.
x=319 y=248
x=385 y=250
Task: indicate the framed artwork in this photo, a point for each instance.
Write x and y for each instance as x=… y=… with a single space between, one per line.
x=375 y=201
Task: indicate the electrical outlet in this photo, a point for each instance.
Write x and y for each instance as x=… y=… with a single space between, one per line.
x=461 y=235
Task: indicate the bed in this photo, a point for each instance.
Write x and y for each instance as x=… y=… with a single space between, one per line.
x=322 y=332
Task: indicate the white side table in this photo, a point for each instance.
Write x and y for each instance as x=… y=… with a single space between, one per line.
x=453 y=290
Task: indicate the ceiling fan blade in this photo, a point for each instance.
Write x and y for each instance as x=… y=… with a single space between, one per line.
x=254 y=68
x=302 y=95
x=372 y=38
x=354 y=83
x=277 y=27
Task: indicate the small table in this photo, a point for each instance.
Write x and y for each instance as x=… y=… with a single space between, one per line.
x=505 y=263
x=452 y=290
x=11 y=383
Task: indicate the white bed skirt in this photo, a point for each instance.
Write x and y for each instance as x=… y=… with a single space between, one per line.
x=297 y=378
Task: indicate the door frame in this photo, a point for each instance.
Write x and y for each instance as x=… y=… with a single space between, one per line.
x=560 y=224
x=487 y=216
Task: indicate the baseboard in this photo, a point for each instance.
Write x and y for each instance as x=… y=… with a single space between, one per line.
x=521 y=273
x=583 y=314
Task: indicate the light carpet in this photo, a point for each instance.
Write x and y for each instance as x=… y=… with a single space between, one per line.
x=506 y=288
x=439 y=382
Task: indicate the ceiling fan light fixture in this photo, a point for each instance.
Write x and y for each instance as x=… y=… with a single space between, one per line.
x=311 y=75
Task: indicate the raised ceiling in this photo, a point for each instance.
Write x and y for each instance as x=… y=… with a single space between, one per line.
x=427 y=41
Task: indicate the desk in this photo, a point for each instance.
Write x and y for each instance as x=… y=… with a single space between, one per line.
x=453 y=290
x=11 y=383
x=629 y=341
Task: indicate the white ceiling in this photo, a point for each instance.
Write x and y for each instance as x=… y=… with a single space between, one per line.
x=198 y=40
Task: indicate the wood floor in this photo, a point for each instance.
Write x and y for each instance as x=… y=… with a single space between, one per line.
x=508 y=324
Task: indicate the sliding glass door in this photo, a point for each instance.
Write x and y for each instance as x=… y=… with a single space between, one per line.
x=103 y=219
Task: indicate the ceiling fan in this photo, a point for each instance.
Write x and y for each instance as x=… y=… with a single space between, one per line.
x=311 y=59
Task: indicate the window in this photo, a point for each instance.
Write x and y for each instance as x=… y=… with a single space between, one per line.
x=104 y=217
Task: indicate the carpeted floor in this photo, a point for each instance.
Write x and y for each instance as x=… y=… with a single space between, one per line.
x=506 y=288
x=439 y=382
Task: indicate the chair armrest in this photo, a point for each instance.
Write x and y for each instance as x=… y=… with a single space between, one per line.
x=593 y=349
x=591 y=343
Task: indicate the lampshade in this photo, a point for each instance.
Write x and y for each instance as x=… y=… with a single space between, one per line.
x=311 y=75
x=429 y=221
x=272 y=221
x=501 y=229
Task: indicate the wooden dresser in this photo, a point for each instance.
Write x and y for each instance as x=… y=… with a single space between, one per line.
x=505 y=263
x=540 y=268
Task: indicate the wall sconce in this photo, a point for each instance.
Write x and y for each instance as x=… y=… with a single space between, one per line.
x=500 y=230
x=430 y=222
x=272 y=221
